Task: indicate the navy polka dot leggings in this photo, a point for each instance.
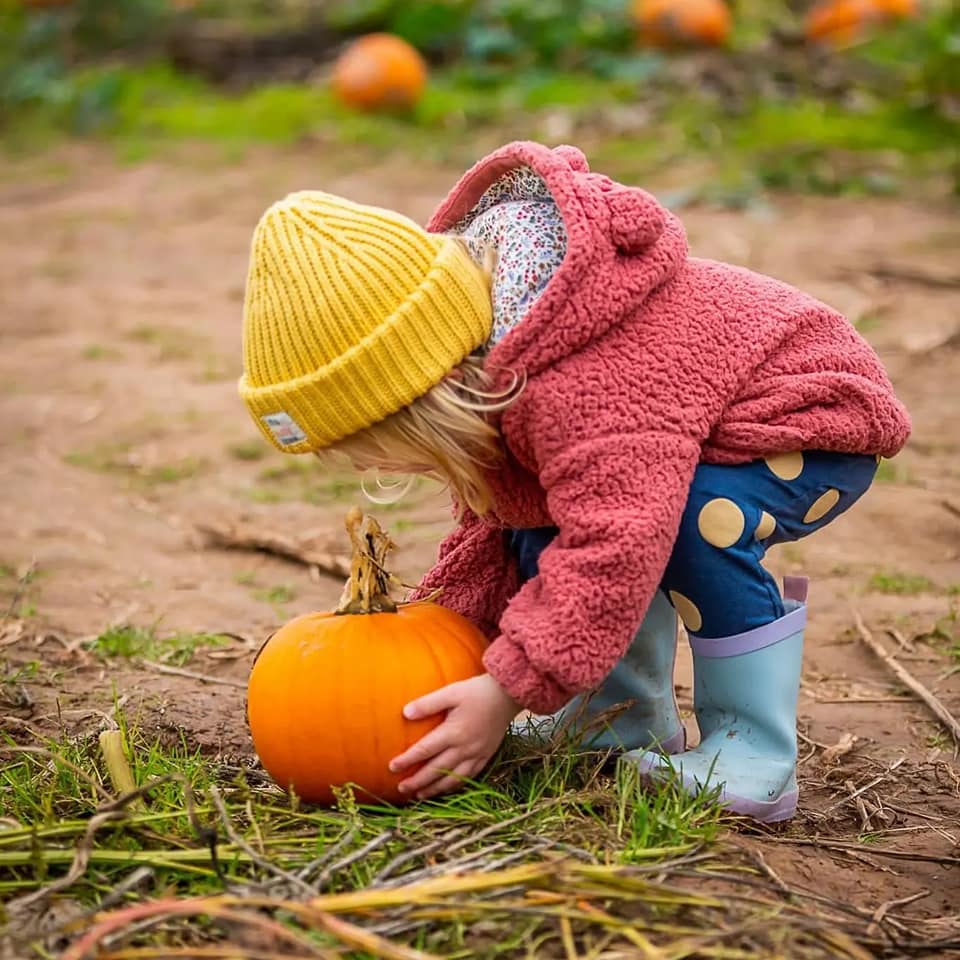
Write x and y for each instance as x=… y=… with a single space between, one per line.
x=715 y=577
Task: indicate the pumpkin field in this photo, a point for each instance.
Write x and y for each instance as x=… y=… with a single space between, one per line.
x=151 y=540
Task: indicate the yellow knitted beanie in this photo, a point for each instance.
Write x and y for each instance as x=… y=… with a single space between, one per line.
x=351 y=313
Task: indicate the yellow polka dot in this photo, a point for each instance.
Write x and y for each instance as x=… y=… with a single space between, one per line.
x=766 y=526
x=822 y=506
x=721 y=522
x=787 y=466
x=688 y=611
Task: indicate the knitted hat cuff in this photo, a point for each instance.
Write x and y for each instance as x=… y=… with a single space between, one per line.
x=433 y=330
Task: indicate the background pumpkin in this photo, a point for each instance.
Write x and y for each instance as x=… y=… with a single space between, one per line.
x=326 y=691
x=844 y=21
x=671 y=23
x=379 y=72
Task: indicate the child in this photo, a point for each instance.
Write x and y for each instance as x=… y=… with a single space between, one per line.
x=612 y=416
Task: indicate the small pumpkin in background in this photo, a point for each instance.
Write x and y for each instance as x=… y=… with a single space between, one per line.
x=841 y=22
x=379 y=71
x=682 y=23
x=326 y=691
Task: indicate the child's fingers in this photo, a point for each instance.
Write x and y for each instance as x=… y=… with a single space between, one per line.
x=448 y=783
x=426 y=748
x=446 y=698
x=436 y=768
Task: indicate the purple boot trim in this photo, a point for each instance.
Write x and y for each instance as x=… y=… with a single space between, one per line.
x=774 y=811
x=756 y=639
x=795 y=593
x=655 y=769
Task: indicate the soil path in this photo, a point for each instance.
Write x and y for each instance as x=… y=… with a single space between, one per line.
x=121 y=291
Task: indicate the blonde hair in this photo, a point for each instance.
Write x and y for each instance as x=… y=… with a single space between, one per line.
x=446 y=434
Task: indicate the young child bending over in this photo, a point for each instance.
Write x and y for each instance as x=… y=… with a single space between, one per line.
x=625 y=430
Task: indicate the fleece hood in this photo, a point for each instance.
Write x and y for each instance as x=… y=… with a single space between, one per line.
x=618 y=238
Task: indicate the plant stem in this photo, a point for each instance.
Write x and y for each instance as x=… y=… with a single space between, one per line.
x=368 y=589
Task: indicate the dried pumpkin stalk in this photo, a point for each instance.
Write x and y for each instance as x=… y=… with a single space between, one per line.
x=368 y=588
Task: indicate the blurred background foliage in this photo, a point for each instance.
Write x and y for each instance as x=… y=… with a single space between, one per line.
x=769 y=109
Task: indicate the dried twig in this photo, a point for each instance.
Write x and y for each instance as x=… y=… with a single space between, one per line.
x=120 y=920
x=305 y=550
x=107 y=813
x=332 y=851
x=409 y=855
x=137 y=878
x=908 y=679
x=770 y=872
x=364 y=940
x=840 y=749
x=951 y=507
x=881 y=912
x=192 y=674
x=856 y=793
x=853 y=700
x=889 y=271
x=358 y=854
x=902 y=642
x=871 y=850
x=237 y=840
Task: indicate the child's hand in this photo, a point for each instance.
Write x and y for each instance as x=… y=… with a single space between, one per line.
x=478 y=711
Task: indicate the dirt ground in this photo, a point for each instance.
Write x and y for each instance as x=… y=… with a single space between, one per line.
x=122 y=433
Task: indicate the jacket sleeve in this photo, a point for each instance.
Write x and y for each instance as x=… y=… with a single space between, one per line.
x=617 y=500
x=476 y=573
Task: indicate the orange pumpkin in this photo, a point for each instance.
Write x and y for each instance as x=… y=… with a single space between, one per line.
x=840 y=22
x=326 y=692
x=379 y=72
x=677 y=23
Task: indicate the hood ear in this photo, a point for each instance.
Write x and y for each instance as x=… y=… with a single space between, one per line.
x=636 y=219
x=574 y=158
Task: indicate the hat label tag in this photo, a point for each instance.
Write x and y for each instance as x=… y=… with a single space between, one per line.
x=286 y=431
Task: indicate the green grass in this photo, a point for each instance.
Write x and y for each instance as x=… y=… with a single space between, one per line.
x=906 y=584
x=798 y=143
x=131 y=641
x=169 y=343
x=18 y=591
x=945 y=634
x=119 y=458
x=897 y=471
x=546 y=854
x=277 y=596
x=303 y=479
x=96 y=351
x=249 y=450
x=525 y=806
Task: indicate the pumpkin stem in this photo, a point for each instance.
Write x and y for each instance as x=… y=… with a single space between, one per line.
x=368 y=589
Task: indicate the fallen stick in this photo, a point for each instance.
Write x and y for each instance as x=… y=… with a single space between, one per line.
x=118 y=767
x=237 y=536
x=867 y=849
x=191 y=674
x=886 y=271
x=850 y=700
x=951 y=507
x=935 y=706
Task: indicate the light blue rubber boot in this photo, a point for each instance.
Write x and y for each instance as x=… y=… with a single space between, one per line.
x=745 y=696
x=643 y=675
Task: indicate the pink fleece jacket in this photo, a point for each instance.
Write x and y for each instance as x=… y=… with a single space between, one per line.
x=641 y=362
